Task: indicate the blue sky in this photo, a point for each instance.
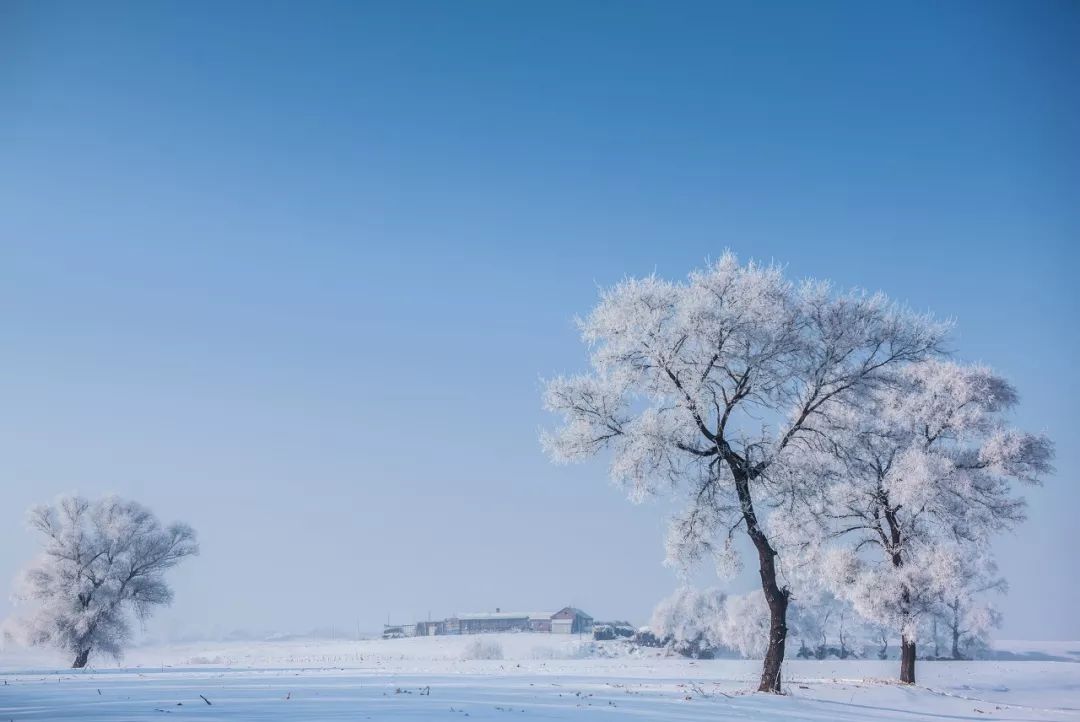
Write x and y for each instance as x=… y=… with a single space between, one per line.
x=293 y=273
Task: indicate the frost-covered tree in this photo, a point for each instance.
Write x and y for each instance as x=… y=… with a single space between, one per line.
x=744 y=625
x=689 y=620
x=966 y=615
x=102 y=562
x=696 y=622
x=919 y=476
x=969 y=622
x=703 y=387
x=825 y=625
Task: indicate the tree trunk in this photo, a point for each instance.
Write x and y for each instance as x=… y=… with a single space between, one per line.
x=774 y=656
x=775 y=596
x=955 y=629
x=81 y=658
x=907 y=660
x=907 y=645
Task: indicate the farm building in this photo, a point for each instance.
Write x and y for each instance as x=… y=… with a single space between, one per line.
x=568 y=620
x=429 y=629
x=500 y=621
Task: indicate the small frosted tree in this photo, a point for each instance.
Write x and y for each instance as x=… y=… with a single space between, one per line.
x=965 y=614
x=103 y=562
x=918 y=478
x=969 y=622
x=688 y=620
x=744 y=625
x=823 y=624
x=695 y=622
x=702 y=388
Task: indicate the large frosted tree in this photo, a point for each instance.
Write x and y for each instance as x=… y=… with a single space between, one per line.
x=103 y=561
x=703 y=387
x=914 y=483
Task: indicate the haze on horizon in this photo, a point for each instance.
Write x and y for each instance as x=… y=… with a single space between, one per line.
x=293 y=275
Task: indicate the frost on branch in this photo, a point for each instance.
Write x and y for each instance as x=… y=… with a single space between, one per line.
x=103 y=562
x=692 y=536
x=696 y=383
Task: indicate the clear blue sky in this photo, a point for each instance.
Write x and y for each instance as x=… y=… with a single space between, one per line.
x=292 y=271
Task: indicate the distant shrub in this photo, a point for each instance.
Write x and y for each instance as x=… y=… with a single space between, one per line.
x=583 y=650
x=542 y=652
x=480 y=649
x=644 y=637
x=207 y=660
x=604 y=631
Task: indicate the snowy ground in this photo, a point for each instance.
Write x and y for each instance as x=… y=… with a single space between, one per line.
x=542 y=677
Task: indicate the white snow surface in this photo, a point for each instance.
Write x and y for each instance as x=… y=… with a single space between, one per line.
x=542 y=677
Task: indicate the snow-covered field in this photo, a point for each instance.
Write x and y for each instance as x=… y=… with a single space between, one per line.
x=541 y=677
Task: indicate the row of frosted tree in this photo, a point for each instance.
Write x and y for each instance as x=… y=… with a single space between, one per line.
x=833 y=429
x=704 y=623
